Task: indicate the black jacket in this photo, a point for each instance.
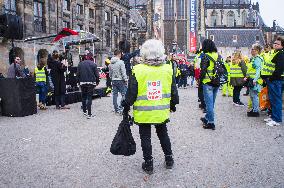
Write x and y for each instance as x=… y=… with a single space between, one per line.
x=132 y=91
x=88 y=72
x=57 y=76
x=279 y=66
x=126 y=58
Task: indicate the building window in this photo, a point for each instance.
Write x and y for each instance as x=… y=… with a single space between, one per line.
x=115 y=19
x=66 y=5
x=107 y=38
x=10 y=6
x=79 y=27
x=91 y=30
x=91 y=13
x=214 y=17
x=235 y=38
x=124 y=23
x=257 y=38
x=180 y=9
x=212 y=37
x=230 y=19
x=39 y=21
x=66 y=24
x=244 y=18
x=79 y=9
x=107 y=16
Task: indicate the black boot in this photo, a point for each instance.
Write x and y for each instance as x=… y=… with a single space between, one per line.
x=209 y=126
x=169 y=161
x=147 y=166
x=204 y=121
x=252 y=114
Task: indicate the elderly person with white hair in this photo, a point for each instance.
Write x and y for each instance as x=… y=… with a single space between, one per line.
x=152 y=92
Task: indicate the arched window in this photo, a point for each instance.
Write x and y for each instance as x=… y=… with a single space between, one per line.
x=214 y=17
x=244 y=18
x=230 y=19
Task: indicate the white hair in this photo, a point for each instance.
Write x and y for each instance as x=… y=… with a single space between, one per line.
x=152 y=49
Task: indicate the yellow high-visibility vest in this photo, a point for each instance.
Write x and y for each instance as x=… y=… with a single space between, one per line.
x=40 y=75
x=152 y=105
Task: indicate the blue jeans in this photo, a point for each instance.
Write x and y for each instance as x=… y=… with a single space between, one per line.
x=42 y=91
x=118 y=86
x=275 y=97
x=210 y=94
x=254 y=99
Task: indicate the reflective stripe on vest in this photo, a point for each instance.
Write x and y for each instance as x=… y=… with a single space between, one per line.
x=152 y=105
x=236 y=71
x=40 y=75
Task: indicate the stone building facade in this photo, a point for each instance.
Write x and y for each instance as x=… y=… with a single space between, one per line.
x=107 y=19
x=234 y=25
x=175 y=23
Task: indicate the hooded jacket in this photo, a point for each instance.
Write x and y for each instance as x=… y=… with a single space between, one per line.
x=117 y=69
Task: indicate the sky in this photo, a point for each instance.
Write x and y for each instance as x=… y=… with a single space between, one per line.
x=272 y=10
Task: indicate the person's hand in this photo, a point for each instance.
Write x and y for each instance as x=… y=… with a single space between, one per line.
x=245 y=78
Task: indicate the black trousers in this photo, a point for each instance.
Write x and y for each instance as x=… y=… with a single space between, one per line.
x=236 y=94
x=60 y=100
x=87 y=94
x=145 y=136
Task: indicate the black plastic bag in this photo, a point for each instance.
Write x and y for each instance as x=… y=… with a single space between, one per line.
x=123 y=143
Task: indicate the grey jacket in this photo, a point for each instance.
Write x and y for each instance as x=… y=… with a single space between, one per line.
x=13 y=73
x=117 y=69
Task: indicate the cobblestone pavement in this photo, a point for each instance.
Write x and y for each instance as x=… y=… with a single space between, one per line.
x=63 y=149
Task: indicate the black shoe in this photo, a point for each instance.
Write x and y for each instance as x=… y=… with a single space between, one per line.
x=204 y=121
x=147 y=166
x=241 y=104
x=209 y=126
x=169 y=162
x=253 y=114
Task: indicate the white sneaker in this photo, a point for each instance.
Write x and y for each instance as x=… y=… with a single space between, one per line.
x=267 y=120
x=272 y=123
x=90 y=116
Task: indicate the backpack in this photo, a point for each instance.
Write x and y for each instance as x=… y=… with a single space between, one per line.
x=220 y=73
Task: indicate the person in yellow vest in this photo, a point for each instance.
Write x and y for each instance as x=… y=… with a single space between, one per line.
x=227 y=88
x=210 y=90
x=153 y=93
x=273 y=72
x=238 y=72
x=254 y=80
x=41 y=76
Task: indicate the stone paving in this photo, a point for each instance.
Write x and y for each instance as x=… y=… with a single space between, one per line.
x=61 y=148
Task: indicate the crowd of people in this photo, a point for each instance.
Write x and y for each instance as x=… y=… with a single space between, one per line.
x=151 y=85
x=264 y=70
